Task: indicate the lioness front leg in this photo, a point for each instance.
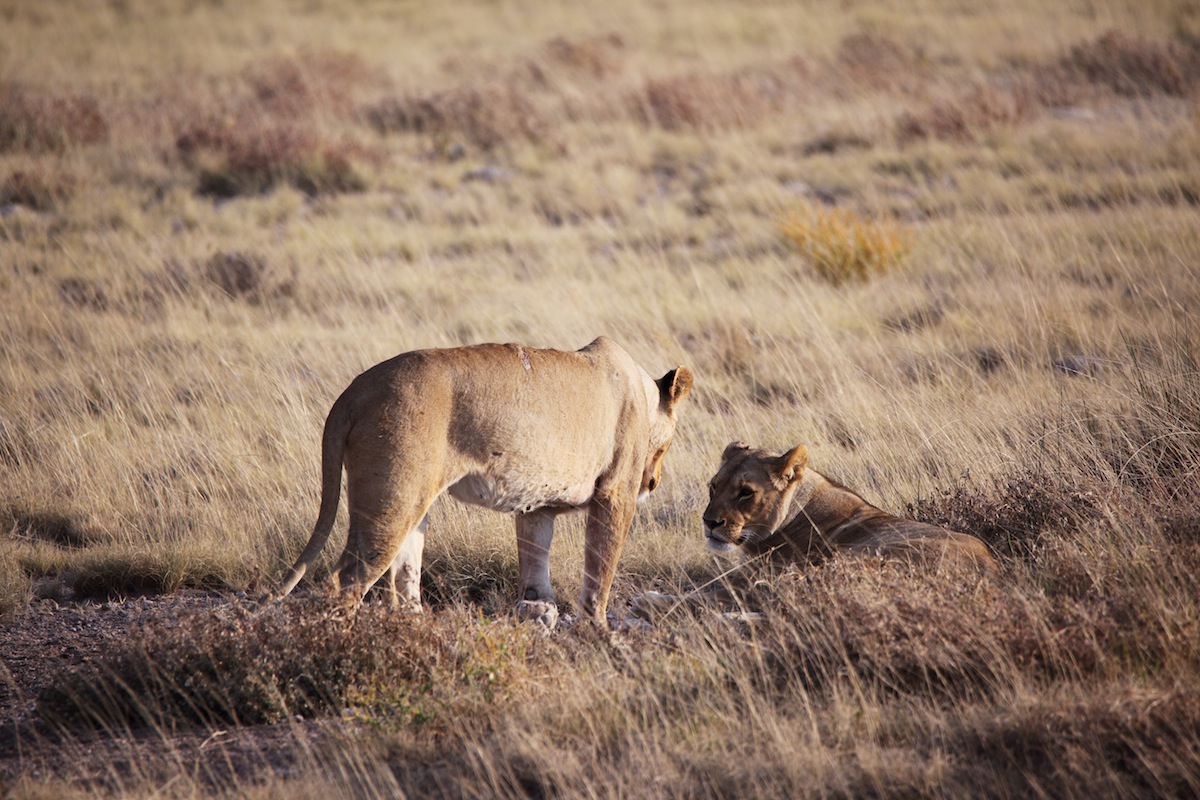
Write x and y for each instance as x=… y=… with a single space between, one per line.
x=535 y=531
x=609 y=518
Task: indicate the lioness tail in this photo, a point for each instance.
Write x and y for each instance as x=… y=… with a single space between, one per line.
x=333 y=449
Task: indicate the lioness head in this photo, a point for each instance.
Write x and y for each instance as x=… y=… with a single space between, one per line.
x=672 y=388
x=750 y=494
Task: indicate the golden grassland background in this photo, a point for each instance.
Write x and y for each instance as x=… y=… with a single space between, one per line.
x=951 y=246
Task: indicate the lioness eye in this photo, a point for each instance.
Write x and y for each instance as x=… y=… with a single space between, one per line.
x=712 y=489
x=745 y=493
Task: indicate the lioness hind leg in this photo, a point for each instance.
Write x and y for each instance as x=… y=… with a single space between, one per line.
x=407 y=568
x=380 y=524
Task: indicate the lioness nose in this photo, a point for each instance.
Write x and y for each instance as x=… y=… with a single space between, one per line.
x=713 y=524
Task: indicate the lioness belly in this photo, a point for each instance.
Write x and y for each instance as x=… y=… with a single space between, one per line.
x=503 y=495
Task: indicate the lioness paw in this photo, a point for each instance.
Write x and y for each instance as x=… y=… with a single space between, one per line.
x=540 y=611
x=652 y=605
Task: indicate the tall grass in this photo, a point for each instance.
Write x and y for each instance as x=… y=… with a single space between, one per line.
x=213 y=217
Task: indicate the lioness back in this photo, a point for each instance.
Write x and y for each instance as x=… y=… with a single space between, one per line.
x=529 y=427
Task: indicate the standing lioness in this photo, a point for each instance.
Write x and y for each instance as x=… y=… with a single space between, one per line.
x=531 y=432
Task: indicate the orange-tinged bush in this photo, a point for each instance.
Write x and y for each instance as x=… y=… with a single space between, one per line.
x=842 y=245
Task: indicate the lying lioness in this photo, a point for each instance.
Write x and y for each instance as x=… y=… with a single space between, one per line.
x=763 y=500
x=531 y=432
x=770 y=503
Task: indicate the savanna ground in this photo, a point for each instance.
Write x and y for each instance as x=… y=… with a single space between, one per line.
x=953 y=247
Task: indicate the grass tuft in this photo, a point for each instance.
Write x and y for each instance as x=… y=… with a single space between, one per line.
x=1016 y=517
x=594 y=57
x=38 y=189
x=876 y=61
x=844 y=246
x=247 y=276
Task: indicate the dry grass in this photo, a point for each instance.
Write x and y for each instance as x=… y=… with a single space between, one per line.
x=41 y=121
x=308 y=658
x=213 y=217
x=842 y=245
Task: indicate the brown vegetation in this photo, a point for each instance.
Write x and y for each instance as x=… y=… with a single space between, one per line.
x=40 y=121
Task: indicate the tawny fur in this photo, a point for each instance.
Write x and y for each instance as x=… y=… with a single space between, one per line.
x=770 y=504
x=765 y=501
x=525 y=431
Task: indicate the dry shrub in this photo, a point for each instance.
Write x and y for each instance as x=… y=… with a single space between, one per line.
x=903 y=633
x=247 y=276
x=40 y=122
x=875 y=61
x=1110 y=743
x=37 y=188
x=487 y=117
x=842 y=245
x=899 y=630
x=307 y=656
x=252 y=156
x=976 y=111
x=298 y=86
x=1115 y=62
x=1134 y=67
x=704 y=101
x=1015 y=515
x=482 y=578
x=595 y=57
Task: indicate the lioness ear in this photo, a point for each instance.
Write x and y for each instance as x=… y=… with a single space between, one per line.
x=674 y=386
x=733 y=448
x=791 y=464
